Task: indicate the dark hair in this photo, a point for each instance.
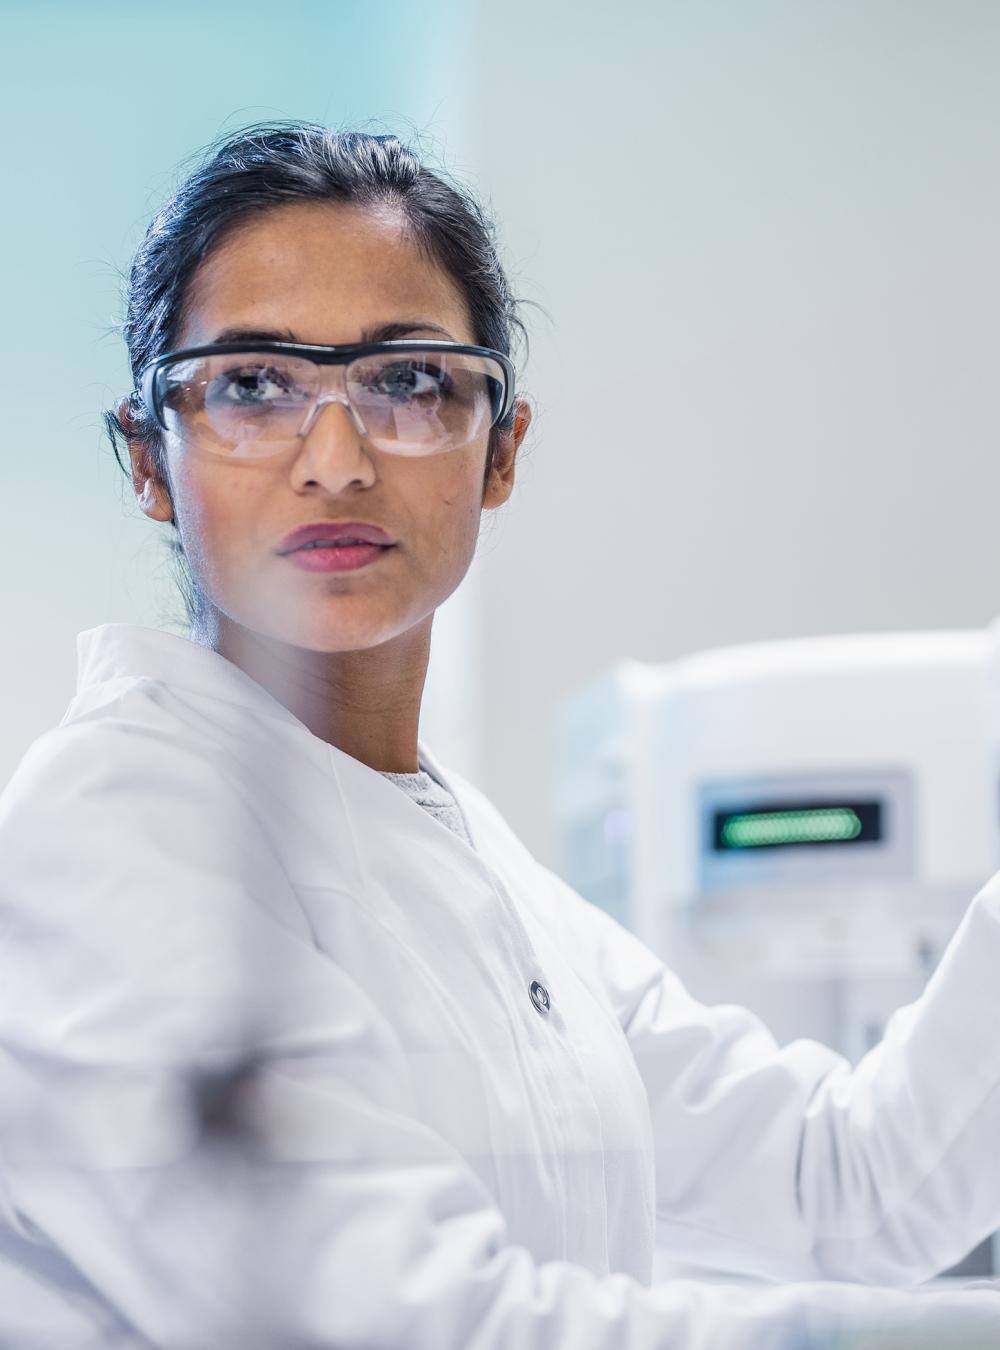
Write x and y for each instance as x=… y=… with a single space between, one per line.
x=272 y=165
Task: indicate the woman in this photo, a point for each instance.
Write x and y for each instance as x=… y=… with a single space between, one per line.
x=300 y=1045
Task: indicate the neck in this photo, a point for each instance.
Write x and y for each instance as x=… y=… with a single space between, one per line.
x=366 y=703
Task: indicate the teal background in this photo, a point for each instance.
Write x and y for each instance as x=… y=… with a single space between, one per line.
x=101 y=105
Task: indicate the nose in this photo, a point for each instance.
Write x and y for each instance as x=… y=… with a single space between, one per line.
x=331 y=449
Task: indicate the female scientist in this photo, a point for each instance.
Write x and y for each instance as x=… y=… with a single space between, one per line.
x=300 y=1046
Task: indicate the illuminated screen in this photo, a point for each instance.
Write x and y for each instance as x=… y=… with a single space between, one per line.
x=797 y=825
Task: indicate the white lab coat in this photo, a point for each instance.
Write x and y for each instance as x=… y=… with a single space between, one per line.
x=418 y=1155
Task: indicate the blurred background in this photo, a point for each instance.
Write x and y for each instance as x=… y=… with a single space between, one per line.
x=760 y=245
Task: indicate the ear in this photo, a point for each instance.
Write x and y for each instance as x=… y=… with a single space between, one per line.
x=500 y=483
x=150 y=490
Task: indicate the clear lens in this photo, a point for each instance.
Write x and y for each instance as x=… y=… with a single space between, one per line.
x=255 y=404
x=249 y=405
x=419 y=403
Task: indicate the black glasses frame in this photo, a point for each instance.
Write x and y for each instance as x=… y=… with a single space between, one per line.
x=339 y=355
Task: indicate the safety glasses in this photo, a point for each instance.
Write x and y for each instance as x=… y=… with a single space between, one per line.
x=252 y=401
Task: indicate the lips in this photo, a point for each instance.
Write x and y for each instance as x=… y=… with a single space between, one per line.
x=333 y=531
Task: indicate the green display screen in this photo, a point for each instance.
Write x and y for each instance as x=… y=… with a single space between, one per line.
x=797 y=825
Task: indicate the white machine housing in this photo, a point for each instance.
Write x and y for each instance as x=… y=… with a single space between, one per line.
x=823 y=938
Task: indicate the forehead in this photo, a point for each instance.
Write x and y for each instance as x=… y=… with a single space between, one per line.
x=324 y=272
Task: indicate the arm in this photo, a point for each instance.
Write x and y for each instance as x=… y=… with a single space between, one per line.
x=320 y=1211
x=785 y=1163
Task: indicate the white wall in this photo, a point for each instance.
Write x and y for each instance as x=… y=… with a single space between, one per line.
x=768 y=237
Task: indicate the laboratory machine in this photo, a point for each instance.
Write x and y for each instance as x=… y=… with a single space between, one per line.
x=795 y=826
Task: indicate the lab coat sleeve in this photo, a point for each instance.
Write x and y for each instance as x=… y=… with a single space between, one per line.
x=205 y=1116
x=780 y=1161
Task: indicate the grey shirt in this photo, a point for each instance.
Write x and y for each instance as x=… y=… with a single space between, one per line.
x=435 y=800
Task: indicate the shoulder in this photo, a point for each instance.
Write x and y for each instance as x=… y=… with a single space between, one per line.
x=140 y=897
x=119 y=828
x=112 y=770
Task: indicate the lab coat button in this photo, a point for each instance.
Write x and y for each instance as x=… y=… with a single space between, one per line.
x=540 y=997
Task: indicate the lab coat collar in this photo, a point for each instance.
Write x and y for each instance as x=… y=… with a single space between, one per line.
x=114 y=652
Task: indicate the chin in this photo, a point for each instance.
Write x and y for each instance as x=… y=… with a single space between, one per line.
x=319 y=634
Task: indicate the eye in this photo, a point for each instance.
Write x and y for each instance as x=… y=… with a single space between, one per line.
x=406 y=380
x=254 y=386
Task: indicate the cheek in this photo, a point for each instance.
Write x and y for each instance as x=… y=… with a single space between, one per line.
x=460 y=481
x=215 y=510
x=456 y=497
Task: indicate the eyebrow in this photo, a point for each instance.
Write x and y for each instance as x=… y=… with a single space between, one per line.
x=383 y=332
